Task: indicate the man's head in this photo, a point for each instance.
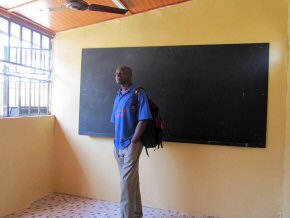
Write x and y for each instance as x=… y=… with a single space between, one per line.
x=123 y=75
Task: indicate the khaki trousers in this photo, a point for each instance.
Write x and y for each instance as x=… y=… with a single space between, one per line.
x=128 y=163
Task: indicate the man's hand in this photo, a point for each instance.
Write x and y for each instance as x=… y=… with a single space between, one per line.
x=138 y=131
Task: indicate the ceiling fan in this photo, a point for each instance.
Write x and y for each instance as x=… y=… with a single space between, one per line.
x=82 y=5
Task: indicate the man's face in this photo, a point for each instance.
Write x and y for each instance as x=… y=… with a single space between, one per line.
x=122 y=77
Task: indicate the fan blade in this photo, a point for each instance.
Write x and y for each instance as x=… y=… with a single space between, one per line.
x=103 y=8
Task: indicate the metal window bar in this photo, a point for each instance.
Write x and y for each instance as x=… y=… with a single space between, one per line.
x=19 y=94
x=29 y=108
x=25 y=103
x=48 y=97
x=15 y=93
x=39 y=92
x=36 y=58
x=40 y=55
x=26 y=95
x=6 y=96
x=21 y=45
x=33 y=68
x=31 y=46
x=9 y=40
x=34 y=93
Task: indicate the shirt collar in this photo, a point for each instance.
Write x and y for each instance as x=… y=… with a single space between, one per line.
x=132 y=88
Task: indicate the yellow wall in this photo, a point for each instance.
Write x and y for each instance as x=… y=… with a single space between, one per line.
x=286 y=190
x=229 y=182
x=26 y=161
x=286 y=185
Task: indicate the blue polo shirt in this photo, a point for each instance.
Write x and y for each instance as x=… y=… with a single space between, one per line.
x=126 y=115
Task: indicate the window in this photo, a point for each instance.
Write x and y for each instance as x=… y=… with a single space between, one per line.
x=25 y=70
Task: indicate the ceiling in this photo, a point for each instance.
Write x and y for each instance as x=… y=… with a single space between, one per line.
x=65 y=19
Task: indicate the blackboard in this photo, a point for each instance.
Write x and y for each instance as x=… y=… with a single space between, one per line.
x=209 y=94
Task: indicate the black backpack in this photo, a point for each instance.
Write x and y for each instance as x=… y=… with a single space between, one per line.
x=152 y=135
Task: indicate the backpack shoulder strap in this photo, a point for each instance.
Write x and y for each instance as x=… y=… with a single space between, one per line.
x=136 y=93
x=137 y=89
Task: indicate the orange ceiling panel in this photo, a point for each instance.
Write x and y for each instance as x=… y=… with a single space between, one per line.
x=62 y=19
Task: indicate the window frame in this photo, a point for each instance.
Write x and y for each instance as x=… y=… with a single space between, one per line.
x=39 y=66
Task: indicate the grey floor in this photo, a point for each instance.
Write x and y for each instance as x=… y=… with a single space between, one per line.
x=62 y=205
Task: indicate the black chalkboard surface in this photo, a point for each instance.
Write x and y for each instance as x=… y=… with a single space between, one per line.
x=209 y=94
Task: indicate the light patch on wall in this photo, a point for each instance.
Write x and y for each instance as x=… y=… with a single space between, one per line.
x=202 y=1
x=117 y=21
x=276 y=58
x=157 y=13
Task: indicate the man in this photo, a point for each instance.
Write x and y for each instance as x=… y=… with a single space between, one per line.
x=130 y=118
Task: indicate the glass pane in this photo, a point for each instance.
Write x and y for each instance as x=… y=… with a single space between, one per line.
x=26 y=46
x=4 y=47
x=15 y=30
x=26 y=35
x=27 y=93
x=47 y=60
x=2 y=102
x=13 y=94
x=36 y=40
x=45 y=42
x=26 y=56
x=36 y=51
x=14 y=49
x=37 y=58
x=3 y=25
x=15 y=43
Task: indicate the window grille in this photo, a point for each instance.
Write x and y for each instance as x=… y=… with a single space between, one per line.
x=25 y=70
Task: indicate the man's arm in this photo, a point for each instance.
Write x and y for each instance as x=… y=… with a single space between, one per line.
x=139 y=130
